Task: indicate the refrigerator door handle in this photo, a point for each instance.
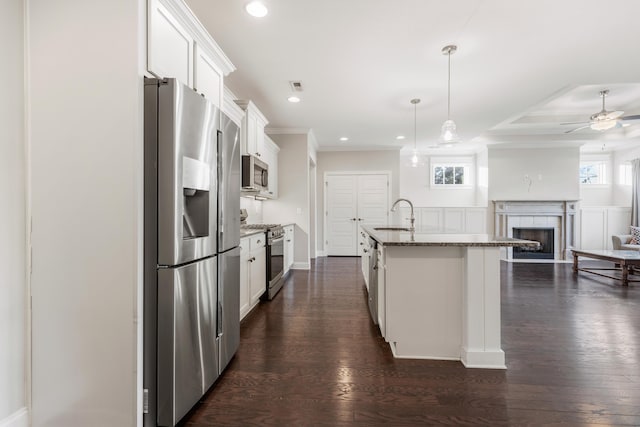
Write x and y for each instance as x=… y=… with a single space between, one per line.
x=220 y=319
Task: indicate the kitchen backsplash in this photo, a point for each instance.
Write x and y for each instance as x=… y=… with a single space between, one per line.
x=254 y=209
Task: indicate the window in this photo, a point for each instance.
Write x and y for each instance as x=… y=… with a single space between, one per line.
x=450 y=175
x=625 y=174
x=593 y=173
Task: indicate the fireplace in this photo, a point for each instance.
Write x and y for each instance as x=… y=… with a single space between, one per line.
x=560 y=215
x=542 y=235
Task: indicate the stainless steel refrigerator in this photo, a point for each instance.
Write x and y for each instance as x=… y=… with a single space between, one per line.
x=185 y=295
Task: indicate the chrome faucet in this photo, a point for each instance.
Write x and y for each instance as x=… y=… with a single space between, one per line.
x=412 y=218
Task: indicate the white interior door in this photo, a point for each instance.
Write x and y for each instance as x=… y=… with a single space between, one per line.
x=373 y=199
x=341 y=213
x=354 y=200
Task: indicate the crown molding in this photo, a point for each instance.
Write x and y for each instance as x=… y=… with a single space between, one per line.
x=203 y=39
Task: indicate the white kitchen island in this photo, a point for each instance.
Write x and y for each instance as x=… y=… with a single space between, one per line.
x=439 y=295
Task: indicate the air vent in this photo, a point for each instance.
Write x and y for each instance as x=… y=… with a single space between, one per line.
x=296 y=86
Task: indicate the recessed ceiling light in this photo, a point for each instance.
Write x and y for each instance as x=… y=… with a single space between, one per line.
x=344 y=138
x=257 y=9
x=293 y=99
x=399 y=137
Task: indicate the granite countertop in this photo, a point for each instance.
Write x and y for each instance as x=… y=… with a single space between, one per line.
x=438 y=237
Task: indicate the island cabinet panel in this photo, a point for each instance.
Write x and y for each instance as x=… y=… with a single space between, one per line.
x=382 y=307
x=481 y=340
x=423 y=294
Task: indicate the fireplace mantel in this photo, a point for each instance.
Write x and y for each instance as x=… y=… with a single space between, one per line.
x=559 y=214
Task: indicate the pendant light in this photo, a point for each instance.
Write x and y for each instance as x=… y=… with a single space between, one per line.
x=414 y=158
x=448 y=133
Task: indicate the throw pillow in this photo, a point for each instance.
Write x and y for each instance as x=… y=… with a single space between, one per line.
x=635 y=235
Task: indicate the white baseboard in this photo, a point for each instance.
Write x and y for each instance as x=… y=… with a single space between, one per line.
x=321 y=253
x=20 y=418
x=483 y=359
x=298 y=266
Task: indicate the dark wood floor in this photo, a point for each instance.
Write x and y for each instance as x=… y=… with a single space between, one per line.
x=313 y=357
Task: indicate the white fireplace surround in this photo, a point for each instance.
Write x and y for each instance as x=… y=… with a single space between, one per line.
x=557 y=214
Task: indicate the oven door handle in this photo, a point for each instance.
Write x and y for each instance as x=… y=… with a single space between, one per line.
x=276 y=240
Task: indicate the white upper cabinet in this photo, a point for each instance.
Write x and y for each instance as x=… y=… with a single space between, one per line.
x=208 y=77
x=179 y=46
x=170 y=46
x=271 y=151
x=252 y=134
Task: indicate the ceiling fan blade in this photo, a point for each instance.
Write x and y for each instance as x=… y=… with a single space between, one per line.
x=576 y=123
x=611 y=115
x=636 y=117
x=580 y=128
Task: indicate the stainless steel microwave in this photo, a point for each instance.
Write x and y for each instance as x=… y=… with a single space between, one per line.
x=255 y=174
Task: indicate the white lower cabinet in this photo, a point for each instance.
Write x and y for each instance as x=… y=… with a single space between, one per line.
x=382 y=271
x=257 y=270
x=253 y=272
x=288 y=247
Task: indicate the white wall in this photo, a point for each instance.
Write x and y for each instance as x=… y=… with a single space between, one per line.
x=85 y=86
x=13 y=332
x=415 y=183
x=353 y=161
x=622 y=193
x=534 y=173
x=293 y=193
x=599 y=195
x=482 y=177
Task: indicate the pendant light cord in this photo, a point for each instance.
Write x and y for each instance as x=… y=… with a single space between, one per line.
x=415 y=107
x=449 y=89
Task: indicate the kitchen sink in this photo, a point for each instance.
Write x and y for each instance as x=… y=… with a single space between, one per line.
x=392 y=228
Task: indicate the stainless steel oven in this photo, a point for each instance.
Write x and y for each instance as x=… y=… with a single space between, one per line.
x=275 y=256
x=275 y=261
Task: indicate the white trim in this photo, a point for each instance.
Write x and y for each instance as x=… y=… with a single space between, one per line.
x=186 y=17
x=20 y=418
x=300 y=266
x=483 y=359
x=287 y=131
x=321 y=253
x=230 y=108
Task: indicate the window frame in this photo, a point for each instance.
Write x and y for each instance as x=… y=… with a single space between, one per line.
x=453 y=162
x=602 y=165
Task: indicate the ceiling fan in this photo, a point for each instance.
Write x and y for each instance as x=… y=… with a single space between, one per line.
x=603 y=119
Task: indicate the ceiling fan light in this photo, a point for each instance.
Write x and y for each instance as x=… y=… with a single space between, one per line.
x=604 y=124
x=448 y=133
